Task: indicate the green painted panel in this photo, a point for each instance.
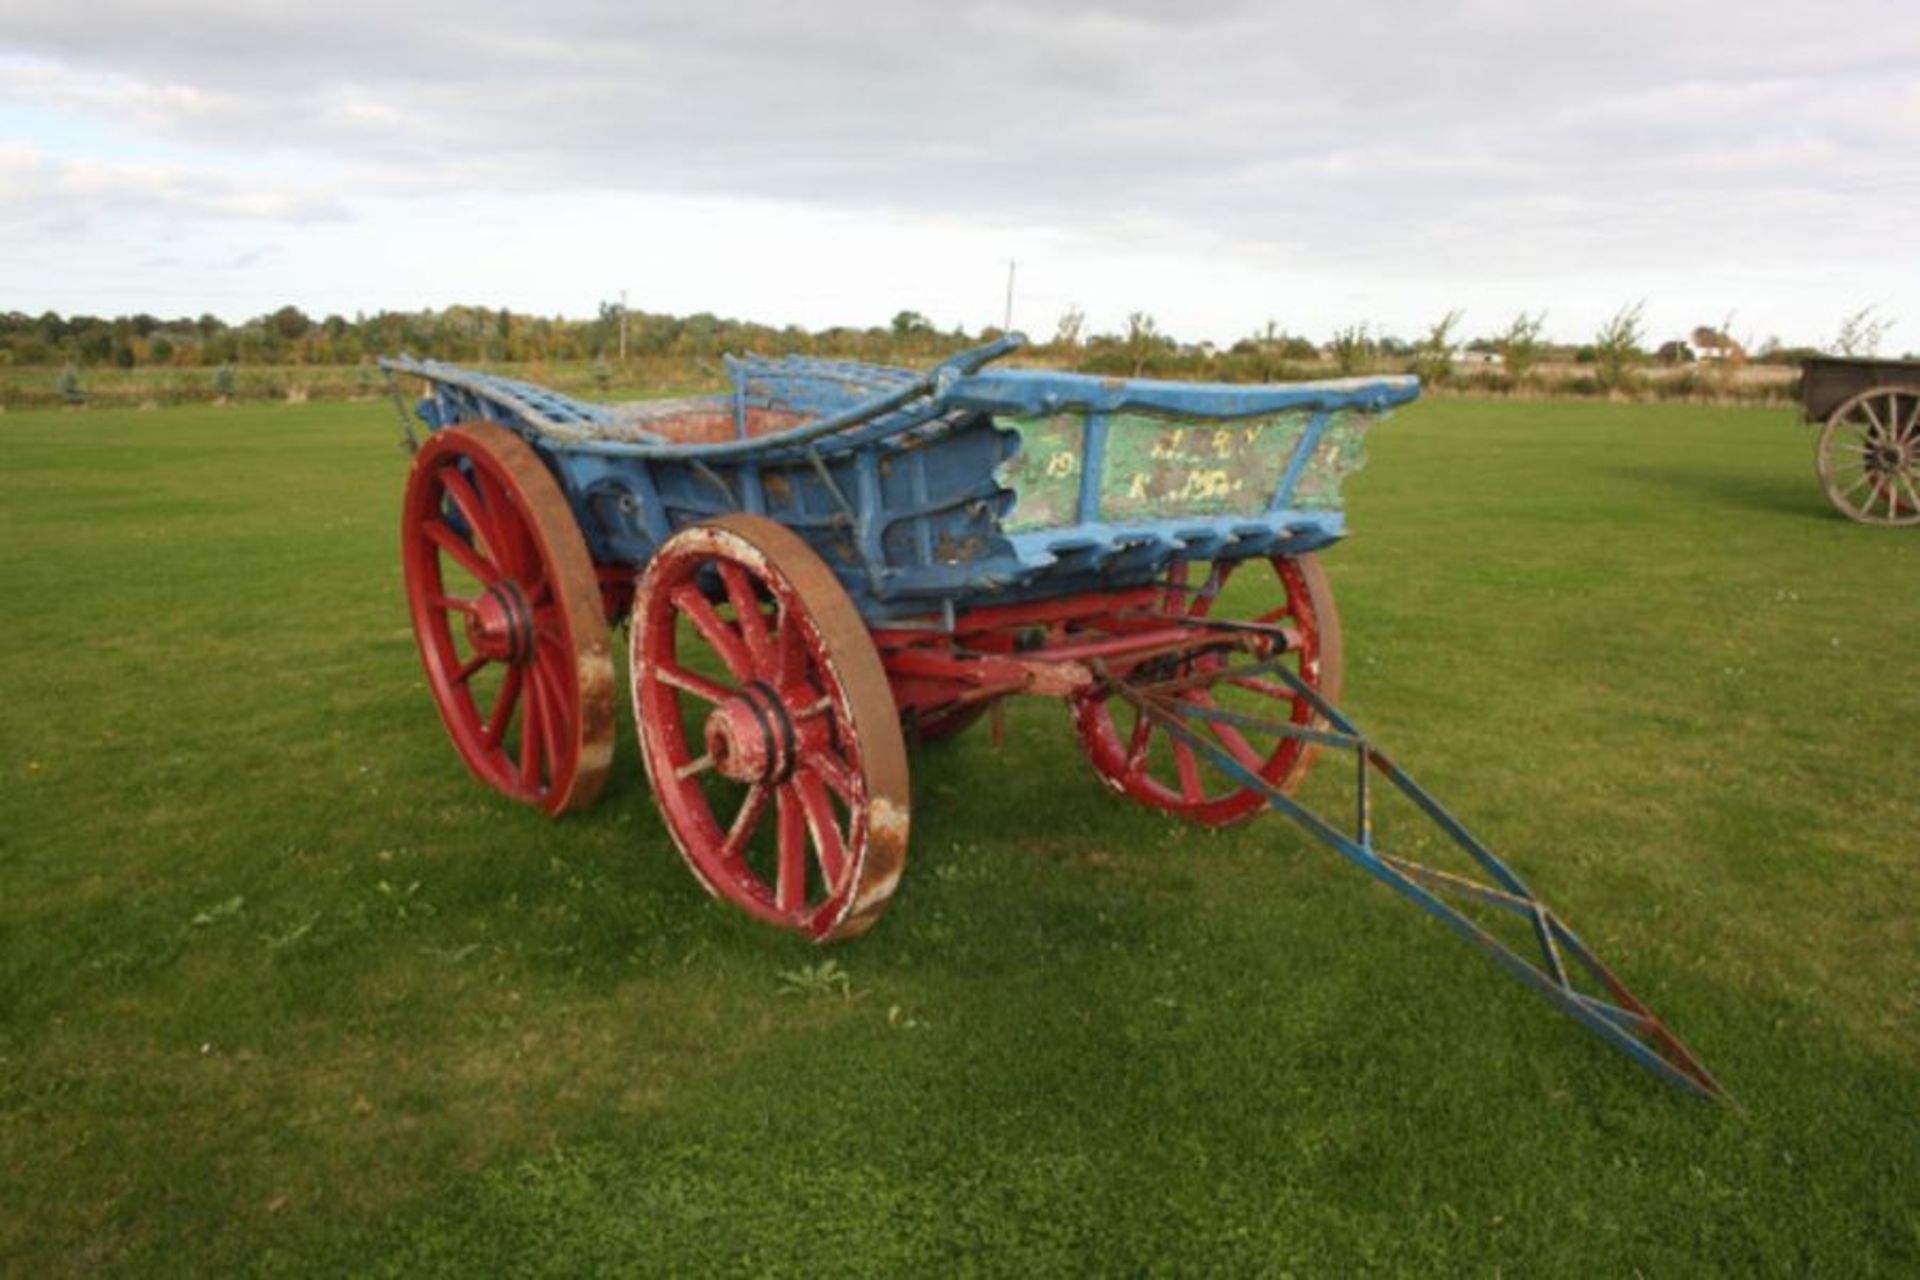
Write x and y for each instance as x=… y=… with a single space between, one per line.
x=1340 y=453
x=1045 y=472
x=1159 y=467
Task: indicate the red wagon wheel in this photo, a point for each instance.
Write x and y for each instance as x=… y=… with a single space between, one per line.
x=1869 y=456
x=508 y=616
x=1142 y=760
x=768 y=728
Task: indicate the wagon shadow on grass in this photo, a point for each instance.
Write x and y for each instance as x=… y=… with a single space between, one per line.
x=1769 y=494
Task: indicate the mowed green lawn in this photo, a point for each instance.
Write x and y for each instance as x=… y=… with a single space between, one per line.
x=281 y=987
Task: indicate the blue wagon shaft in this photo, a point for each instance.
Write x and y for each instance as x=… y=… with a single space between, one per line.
x=1621 y=1018
x=836 y=558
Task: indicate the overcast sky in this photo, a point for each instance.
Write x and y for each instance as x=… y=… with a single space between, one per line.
x=1216 y=164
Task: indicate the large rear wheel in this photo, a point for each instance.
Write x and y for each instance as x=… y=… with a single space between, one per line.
x=508 y=617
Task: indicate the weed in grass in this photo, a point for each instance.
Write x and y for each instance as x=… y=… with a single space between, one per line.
x=822 y=979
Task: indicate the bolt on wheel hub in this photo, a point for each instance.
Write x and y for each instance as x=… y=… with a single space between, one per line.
x=750 y=737
x=501 y=625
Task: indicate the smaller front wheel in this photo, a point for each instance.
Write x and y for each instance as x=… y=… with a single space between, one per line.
x=768 y=728
x=1144 y=762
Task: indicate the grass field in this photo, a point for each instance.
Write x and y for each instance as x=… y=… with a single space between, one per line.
x=281 y=988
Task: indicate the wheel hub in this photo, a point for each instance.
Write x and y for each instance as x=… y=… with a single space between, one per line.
x=750 y=736
x=501 y=626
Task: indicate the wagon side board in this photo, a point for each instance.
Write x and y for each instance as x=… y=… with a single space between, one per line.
x=1829 y=382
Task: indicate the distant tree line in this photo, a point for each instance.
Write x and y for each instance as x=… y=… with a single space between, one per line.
x=639 y=349
x=465 y=333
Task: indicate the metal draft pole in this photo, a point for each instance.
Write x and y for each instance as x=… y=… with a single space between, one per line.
x=1558 y=956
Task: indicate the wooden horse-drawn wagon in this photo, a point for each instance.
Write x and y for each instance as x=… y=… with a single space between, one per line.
x=1868 y=453
x=834 y=559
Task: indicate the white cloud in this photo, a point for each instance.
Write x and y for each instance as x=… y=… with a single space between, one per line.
x=1473 y=151
x=52 y=196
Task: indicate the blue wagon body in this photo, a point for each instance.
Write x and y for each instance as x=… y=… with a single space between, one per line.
x=943 y=491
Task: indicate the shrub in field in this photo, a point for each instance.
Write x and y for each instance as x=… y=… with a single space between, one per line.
x=1353 y=349
x=1433 y=354
x=1072 y=323
x=1520 y=346
x=1616 y=348
x=1144 y=341
x=69 y=386
x=1861 y=333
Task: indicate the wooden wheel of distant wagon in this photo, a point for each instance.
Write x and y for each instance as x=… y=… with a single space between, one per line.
x=1869 y=456
x=768 y=728
x=1141 y=760
x=507 y=613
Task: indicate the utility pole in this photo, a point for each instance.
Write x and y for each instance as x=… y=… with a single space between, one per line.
x=1007 y=326
x=623 y=326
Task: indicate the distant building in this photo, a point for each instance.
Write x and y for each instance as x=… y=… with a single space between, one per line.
x=1484 y=359
x=1710 y=346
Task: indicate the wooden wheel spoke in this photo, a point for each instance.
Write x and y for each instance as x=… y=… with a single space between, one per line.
x=1913 y=494
x=715 y=631
x=688 y=682
x=455 y=604
x=1136 y=758
x=1202 y=603
x=824 y=825
x=470 y=667
x=1230 y=737
x=752 y=623
x=464 y=553
x=472 y=510
x=505 y=527
x=1265 y=688
x=790 y=873
x=790 y=642
x=503 y=705
x=1175 y=596
x=745 y=822
x=1188 y=769
x=1878 y=429
x=530 y=704
x=832 y=771
x=551 y=717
